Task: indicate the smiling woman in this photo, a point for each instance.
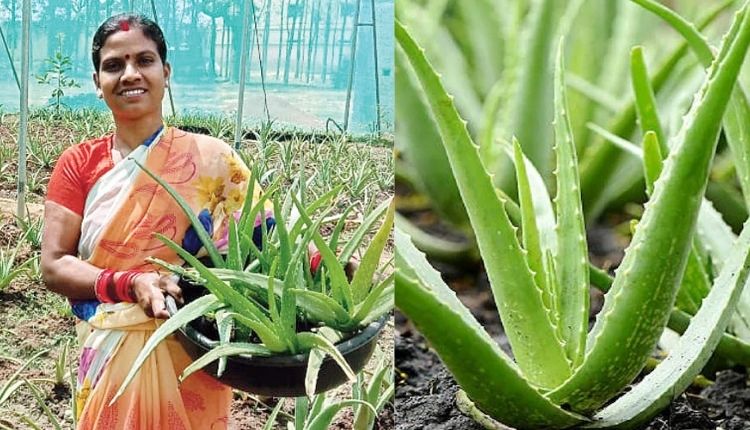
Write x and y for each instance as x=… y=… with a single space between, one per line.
x=100 y=215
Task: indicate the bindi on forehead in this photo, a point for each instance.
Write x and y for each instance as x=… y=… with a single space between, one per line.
x=124 y=25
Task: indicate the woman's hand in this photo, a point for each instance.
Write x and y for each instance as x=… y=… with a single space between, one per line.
x=149 y=289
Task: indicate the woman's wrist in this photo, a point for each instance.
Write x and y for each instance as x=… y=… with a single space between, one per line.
x=114 y=287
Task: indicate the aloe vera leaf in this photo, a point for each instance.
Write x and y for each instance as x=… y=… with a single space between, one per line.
x=223 y=292
x=652 y=159
x=736 y=123
x=571 y=256
x=545 y=214
x=301 y=407
x=712 y=231
x=685 y=361
x=42 y=402
x=450 y=60
x=309 y=341
x=315 y=361
x=363 y=417
x=268 y=334
x=650 y=274
x=695 y=282
x=363 y=277
x=189 y=312
x=322 y=201
x=477 y=363
x=272 y=417
x=730 y=348
x=377 y=295
x=321 y=308
x=234 y=258
x=206 y=240
x=645 y=101
x=480 y=29
x=593 y=93
x=518 y=299
x=530 y=231
x=224 y=324
x=728 y=199
x=439 y=249
x=339 y=284
x=356 y=240
x=222 y=351
x=382 y=305
x=333 y=241
x=596 y=164
x=736 y=127
x=488 y=128
x=323 y=419
x=531 y=113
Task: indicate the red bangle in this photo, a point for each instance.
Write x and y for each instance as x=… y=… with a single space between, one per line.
x=315 y=260
x=124 y=286
x=103 y=286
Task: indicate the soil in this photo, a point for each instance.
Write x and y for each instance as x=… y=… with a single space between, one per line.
x=425 y=390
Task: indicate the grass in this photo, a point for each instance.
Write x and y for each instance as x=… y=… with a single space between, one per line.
x=33 y=319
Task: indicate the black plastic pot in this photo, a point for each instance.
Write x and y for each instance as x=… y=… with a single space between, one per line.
x=281 y=375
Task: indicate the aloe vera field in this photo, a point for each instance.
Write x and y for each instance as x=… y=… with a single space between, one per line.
x=572 y=196
x=38 y=344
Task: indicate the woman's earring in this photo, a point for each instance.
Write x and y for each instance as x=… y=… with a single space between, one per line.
x=166 y=84
x=99 y=93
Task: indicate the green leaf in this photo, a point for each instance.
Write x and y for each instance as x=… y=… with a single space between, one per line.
x=365 y=273
x=383 y=292
x=673 y=375
x=314 y=340
x=272 y=417
x=571 y=257
x=323 y=419
x=321 y=308
x=649 y=277
x=225 y=324
x=518 y=299
x=245 y=308
x=234 y=257
x=478 y=364
x=229 y=349
x=530 y=231
x=597 y=163
x=652 y=160
x=315 y=361
x=189 y=312
x=419 y=139
x=645 y=101
x=359 y=234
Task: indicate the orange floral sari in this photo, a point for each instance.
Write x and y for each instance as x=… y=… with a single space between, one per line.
x=210 y=176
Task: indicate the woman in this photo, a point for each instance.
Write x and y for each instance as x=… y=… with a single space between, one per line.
x=100 y=215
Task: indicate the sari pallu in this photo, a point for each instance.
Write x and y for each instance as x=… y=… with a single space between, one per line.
x=123 y=210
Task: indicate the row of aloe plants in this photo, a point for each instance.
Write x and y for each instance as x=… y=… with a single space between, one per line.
x=540 y=280
x=496 y=87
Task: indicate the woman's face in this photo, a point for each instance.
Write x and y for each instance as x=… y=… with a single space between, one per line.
x=131 y=77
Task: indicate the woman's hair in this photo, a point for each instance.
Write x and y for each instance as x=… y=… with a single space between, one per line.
x=124 y=22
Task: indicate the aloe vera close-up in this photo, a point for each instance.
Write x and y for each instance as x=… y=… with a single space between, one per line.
x=563 y=375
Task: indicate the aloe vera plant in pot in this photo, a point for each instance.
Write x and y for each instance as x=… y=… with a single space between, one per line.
x=562 y=375
x=274 y=304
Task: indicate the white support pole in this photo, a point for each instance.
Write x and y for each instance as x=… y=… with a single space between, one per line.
x=243 y=72
x=24 y=107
